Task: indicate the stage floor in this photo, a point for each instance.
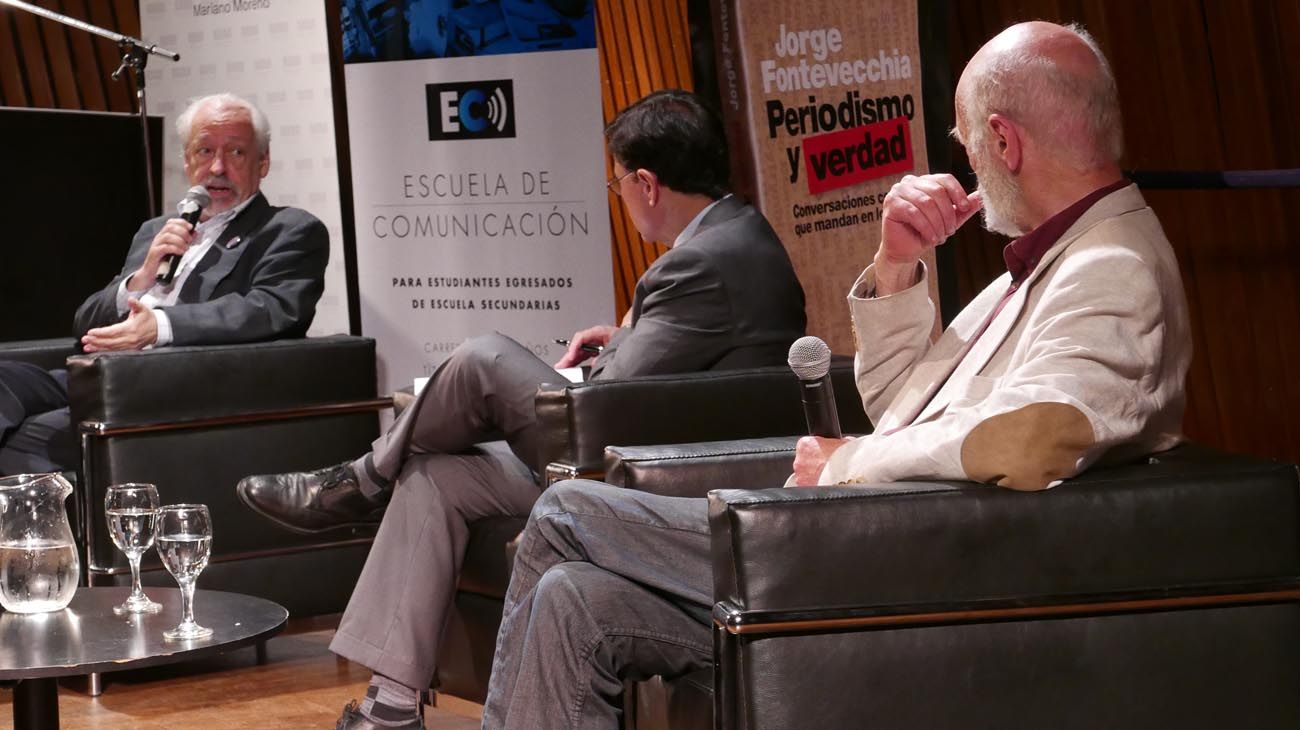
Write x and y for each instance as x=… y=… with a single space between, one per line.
x=302 y=686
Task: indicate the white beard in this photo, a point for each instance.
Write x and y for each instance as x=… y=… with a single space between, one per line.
x=1002 y=200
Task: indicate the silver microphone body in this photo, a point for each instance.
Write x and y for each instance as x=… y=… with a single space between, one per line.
x=810 y=359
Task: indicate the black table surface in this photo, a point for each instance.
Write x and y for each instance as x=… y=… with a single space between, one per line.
x=88 y=637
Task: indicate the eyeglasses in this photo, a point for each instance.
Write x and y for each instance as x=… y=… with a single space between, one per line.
x=614 y=183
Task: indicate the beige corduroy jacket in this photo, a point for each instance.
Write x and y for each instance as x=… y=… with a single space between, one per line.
x=1086 y=362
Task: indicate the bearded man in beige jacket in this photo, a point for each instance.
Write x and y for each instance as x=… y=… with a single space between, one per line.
x=1078 y=353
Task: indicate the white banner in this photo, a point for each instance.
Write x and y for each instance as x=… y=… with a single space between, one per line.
x=478 y=181
x=274 y=53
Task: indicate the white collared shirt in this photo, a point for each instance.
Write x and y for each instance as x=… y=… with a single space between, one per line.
x=165 y=295
x=694 y=225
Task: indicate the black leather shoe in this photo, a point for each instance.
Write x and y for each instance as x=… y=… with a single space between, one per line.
x=352 y=719
x=311 y=501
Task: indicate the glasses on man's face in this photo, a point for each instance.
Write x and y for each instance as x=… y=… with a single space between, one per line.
x=615 y=184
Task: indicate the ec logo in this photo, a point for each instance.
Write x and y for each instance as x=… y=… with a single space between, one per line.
x=473 y=110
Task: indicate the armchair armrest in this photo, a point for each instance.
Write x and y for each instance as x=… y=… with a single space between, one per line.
x=125 y=389
x=1190 y=522
x=579 y=420
x=49 y=354
x=692 y=470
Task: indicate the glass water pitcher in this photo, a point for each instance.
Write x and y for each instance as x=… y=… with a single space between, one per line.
x=39 y=568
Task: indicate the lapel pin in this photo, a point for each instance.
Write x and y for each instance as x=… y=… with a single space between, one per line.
x=232 y=242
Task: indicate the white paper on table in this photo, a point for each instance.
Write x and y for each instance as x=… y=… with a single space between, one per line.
x=573 y=374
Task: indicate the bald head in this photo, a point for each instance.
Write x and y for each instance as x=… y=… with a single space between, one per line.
x=1054 y=82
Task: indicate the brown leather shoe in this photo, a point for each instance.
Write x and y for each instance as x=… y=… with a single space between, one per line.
x=311 y=501
x=352 y=719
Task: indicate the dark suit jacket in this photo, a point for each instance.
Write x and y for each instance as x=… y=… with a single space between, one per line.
x=726 y=298
x=259 y=281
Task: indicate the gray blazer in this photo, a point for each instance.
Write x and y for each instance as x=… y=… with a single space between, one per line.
x=726 y=298
x=259 y=281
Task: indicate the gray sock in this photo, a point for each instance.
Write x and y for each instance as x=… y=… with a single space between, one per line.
x=390 y=701
x=373 y=485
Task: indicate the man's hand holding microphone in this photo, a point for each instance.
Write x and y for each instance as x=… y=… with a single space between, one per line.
x=140 y=328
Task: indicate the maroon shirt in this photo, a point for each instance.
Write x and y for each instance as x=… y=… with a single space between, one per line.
x=1024 y=253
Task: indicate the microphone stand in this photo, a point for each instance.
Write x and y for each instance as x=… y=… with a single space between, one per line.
x=135 y=55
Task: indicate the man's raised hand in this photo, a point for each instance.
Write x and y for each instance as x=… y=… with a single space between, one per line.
x=918 y=214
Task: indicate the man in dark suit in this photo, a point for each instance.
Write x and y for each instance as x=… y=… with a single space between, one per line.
x=247 y=272
x=724 y=296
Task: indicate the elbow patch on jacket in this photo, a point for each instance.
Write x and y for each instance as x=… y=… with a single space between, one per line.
x=1028 y=448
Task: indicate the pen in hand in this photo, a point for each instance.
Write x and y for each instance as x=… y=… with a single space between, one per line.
x=589 y=349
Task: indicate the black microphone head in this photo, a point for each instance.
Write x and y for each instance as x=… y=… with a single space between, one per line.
x=197 y=198
x=810 y=358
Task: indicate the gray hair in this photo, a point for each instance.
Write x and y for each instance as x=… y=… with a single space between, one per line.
x=1078 y=115
x=261 y=126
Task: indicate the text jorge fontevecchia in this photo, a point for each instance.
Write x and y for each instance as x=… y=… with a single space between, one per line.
x=812 y=60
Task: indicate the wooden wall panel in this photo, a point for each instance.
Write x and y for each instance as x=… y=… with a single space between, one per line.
x=1205 y=85
x=85 y=63
x=643 y=47
x=1257 y=67
x=47 y=65
x=1247 y=284
x=11 y=72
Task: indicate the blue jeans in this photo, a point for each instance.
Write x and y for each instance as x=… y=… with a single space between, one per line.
x=608 y=584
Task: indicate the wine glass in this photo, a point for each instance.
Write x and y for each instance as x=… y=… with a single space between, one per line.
x=184 y=543
x=132 y=512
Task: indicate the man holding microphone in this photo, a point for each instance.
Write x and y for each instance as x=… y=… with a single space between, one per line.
x=247 y=272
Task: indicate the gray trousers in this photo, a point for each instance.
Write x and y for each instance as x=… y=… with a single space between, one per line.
x=442 y=479
x=484 y=391
x=608 y=584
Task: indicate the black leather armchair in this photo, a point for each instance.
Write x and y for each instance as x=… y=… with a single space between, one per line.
x=578 y=421
x=581 y=419
x=194 y=420
x=49 y=354
x=256 y=408
x=1160 y=594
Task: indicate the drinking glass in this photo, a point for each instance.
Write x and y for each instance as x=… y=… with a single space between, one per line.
x=184 y=543
x=132 y=511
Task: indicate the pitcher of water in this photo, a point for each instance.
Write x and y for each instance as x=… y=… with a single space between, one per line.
x=39 y=568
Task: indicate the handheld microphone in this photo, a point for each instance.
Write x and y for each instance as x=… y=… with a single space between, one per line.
x=190 y=208
x=810 y=359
